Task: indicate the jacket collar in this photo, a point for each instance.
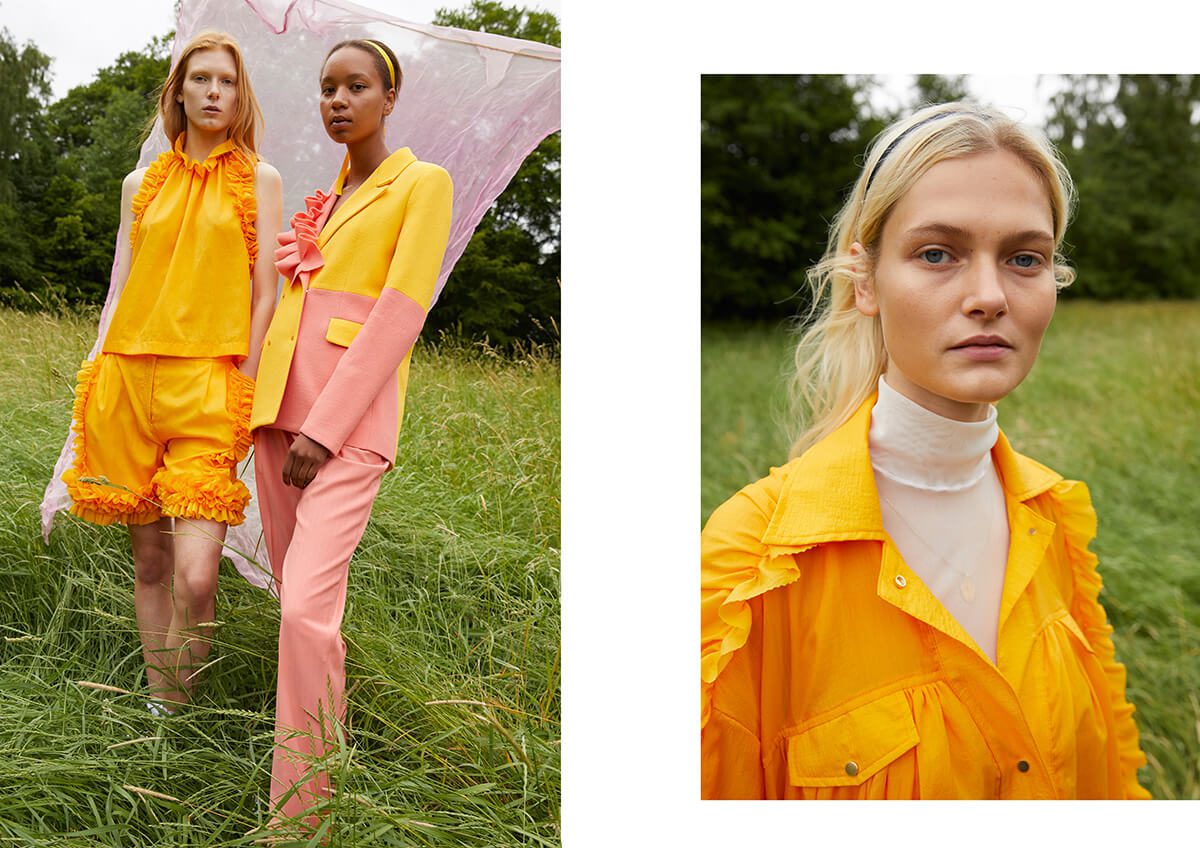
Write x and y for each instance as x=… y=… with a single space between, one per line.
x=368 y=192
x=830 y=493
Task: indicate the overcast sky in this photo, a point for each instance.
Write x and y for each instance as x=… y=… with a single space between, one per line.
x=1022 y=96
x=81 y=38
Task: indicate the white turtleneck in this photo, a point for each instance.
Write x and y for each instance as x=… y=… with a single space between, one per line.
x=943 y=506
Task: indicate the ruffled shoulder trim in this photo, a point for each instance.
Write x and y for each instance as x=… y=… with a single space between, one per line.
x=152 y=182
x=736 y=565
x=239 y=172
x=1076 y=517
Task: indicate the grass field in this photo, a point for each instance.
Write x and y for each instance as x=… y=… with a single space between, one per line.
x=1114 y=400
x=452 y=626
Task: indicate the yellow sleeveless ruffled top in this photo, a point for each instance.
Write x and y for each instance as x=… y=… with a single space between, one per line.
x=193 y=248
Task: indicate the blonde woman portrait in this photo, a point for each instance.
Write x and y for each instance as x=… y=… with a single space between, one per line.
x=910 y=607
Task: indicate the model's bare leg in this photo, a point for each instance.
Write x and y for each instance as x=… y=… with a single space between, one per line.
x=153 y=567
x=197 y=556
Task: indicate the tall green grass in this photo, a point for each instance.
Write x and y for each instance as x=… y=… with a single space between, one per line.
x=452 y=627
x=1114 y=400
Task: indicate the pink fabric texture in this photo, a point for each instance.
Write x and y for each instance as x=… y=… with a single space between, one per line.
x=475 y=103
x=311 y=534
x=314 y=362
x=362 y=374
x=298 y=256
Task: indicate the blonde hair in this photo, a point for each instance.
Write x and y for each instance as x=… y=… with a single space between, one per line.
x=247 y=119
x=840 y=355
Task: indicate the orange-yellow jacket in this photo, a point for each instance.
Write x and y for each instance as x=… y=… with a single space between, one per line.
x=829 y=670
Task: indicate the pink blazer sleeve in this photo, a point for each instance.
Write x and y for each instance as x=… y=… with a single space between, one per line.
x=396 y=318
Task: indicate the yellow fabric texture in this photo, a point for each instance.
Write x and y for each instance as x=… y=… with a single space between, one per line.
x=193 y=247
x=364 y=252
x=830 y=671
x=168 y=431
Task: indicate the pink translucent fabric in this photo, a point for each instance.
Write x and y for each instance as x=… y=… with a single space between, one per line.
x=477 y=104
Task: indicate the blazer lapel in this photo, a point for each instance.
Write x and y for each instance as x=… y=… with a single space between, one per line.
x=367 y=193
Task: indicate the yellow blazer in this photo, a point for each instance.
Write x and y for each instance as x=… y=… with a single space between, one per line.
x=335 y=360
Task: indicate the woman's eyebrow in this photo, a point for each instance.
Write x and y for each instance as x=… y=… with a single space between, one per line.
x=935 y=229
x=351 y=75
x=1030 y=235
x=210 y=70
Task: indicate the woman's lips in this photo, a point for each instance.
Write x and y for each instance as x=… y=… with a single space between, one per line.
x=988 y=352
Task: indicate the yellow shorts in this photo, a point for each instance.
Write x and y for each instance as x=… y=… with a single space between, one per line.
x=166 y=433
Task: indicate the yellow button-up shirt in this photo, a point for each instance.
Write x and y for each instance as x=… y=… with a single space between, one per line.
x=829 y=670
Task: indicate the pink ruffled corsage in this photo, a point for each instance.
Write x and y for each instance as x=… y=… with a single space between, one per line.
x=297 y=256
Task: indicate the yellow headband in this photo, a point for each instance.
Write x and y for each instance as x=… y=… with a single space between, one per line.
x=388 y=61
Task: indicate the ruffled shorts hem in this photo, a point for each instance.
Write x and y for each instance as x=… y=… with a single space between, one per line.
x=214 y=497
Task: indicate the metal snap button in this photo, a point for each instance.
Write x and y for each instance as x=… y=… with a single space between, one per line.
x=1022 y=766
x=900 y=581
x=1032 y=531
x=852 y=768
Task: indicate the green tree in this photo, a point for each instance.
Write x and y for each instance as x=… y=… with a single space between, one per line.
x=24 y=155
x=506 y=284
x=97 y=130
x=496 y=18
x=936 y=88
x=777 y=156
x=1131 y=143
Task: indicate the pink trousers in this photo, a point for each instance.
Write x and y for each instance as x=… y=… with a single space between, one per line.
x=310 y=534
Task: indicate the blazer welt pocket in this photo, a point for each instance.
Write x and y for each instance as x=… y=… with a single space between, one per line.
x=848 y=749
x=342 y=331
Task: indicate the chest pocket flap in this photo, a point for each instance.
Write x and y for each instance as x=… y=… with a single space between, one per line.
x=851 y=747
x=342 y=331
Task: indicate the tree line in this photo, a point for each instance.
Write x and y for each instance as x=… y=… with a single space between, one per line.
x=62 y=163
x=779 y=154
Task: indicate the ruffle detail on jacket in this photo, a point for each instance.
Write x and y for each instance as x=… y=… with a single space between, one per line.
x=216 y=496
x=726 y=633
x=297 y=254
x=240 y=175
x=100 y=503
x=737 y=566
x=1076 y=517
x=239 y=402
x=152 y=182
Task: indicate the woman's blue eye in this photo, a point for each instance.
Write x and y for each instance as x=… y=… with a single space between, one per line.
x=934 y=256
x=1026 y=260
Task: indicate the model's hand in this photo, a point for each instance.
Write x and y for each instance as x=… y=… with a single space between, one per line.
x=303 y=461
